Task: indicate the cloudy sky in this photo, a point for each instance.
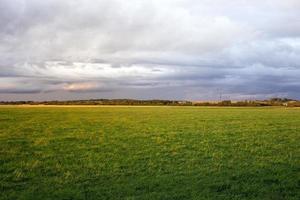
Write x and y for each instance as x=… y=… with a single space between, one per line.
x=149 y=49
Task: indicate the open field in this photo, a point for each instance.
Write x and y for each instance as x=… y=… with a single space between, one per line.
x=149 y=153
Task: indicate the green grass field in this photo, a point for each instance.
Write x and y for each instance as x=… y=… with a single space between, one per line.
x=149 y=153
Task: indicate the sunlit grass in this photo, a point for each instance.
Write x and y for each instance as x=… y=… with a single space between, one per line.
x=149 y=153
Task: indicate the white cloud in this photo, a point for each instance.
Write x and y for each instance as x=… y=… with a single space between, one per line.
x=158 y=44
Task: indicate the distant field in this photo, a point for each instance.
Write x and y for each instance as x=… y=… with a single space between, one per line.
x=149 y=153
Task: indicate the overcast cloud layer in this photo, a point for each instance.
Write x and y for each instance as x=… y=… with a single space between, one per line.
x=162 y=49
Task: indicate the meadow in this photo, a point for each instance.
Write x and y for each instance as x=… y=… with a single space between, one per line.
x=149 y=153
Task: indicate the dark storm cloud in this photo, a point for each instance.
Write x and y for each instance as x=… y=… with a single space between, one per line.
x=182 y=49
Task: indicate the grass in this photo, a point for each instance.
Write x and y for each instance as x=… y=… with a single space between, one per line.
x=149 y=153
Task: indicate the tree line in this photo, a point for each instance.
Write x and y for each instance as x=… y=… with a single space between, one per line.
x=251 y=103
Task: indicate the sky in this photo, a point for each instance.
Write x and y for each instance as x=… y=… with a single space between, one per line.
x=149 y=49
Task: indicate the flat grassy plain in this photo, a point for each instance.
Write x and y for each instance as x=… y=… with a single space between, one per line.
x=149 y=153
